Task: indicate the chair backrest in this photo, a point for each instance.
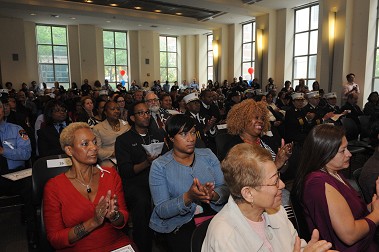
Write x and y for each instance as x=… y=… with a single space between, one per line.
x=356 y=175
x=221 y=140
x=44 y=169
x=298 y=218
x=351 y=128
x=198 y=236
x=365 y=125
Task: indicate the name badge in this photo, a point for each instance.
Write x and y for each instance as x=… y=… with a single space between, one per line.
x=59 y=162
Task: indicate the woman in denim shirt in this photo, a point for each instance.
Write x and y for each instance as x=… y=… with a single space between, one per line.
x=187 y=185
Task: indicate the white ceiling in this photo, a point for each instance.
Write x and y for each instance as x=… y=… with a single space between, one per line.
x=123 y=19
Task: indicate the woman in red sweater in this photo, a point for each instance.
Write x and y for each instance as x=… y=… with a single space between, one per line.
x=84 y=208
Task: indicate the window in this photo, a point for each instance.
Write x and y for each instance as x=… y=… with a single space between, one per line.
x=52 y=55
x=210 y=57
x=248 y=49
x=376 y=62
x=168 y=59
x=116 y=58
x=305 y=44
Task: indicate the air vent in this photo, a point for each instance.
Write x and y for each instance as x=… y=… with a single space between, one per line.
x=213 y=16
x=251 y=1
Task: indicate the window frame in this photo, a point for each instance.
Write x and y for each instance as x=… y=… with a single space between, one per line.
x=53 y=64
x=118 y=67
x=167 y=52
x=308 y=55
x=375 y=77
x=210 y=50
x=252 y=52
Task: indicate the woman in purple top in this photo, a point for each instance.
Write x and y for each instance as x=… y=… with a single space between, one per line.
x=329 y=203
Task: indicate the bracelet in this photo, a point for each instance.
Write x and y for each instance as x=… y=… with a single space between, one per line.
x=80 y=231
x=115 y=217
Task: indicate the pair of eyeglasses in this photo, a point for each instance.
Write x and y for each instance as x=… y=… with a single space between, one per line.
x=142 y=113
x=276 y=183
x=152 y=100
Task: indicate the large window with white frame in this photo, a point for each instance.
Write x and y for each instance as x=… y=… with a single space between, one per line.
x=305 y=44
x=248 y=49
x=168 y=50
x=210 y=57
x=52 y=50
x=116 y=57
x=375 y=84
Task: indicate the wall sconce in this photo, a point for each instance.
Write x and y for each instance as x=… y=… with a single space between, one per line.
x=216 y=59
x=260 y=47
x=332 y=29
x=215 y=48
x=332 y=24
x=260 y=40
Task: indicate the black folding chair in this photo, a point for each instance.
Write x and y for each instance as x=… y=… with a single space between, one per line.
x=44 y=169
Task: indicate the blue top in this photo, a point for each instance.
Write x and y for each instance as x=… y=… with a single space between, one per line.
x=169 y=180
x=16 y=144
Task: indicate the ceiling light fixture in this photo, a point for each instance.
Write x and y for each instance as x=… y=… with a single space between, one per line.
x=73 y=18
x=179 y=13
x=138 y=8
x=33 y=14
x=114 y=5
x=88 y=1
x=108 y=21
x=158 y=11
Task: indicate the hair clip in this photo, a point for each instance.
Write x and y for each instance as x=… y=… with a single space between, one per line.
x=102 y=170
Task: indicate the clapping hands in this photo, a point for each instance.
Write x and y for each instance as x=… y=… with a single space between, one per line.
x=106 y=207
x=201 y=192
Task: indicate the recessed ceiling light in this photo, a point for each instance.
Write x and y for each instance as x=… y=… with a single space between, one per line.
x=138 y=8
x=88 y=1
x=139 y=25
x=179 y=13
x=158 y=11
x=73 y=18
x=108 y=21
x=33 y=14
x=114 y=5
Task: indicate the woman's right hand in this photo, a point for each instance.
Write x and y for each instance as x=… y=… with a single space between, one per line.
x=102 y=209
x=314 y=245
x=196 y=192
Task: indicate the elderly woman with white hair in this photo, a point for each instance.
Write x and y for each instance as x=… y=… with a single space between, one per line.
x=253 y=219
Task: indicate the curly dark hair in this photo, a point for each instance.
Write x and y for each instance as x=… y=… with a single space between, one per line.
x=241 y=115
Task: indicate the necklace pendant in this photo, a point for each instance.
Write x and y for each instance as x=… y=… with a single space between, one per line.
x=89 y=189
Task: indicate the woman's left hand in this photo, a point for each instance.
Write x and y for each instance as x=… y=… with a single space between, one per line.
x=113 y=207
x=284 y=153
x=209 y=190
